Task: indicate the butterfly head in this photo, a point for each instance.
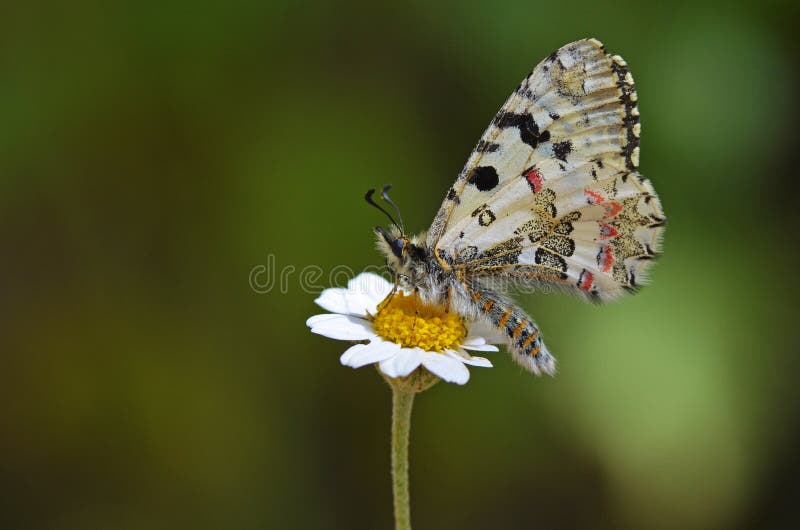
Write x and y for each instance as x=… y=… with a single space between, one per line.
x=398 y=244
x=405 y=256
x=401 y=251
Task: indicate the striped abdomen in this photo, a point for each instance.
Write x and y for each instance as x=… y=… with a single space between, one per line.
x=519 y=329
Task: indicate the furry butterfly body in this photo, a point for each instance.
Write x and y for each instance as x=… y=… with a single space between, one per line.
x=551 y=195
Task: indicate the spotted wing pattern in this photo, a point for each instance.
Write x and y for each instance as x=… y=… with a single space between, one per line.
x=552 y=192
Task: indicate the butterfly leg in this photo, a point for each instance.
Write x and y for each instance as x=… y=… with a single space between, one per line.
x=519 y=329
x=416 y=307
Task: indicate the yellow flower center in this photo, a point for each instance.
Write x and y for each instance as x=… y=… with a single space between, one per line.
x=406 y=320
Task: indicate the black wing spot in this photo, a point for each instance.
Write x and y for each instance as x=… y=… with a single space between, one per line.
x=628 y=99
x=484 y=178
x=505 y=253
x=467 y=254
x=550 y=259
x=528 y=130
x=525 y=91
x=486 y=217
x=487 y=147
x=559 y=244
x=562 y=149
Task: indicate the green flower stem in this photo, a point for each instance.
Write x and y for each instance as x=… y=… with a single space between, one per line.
x=403 y=390
x=402 y=402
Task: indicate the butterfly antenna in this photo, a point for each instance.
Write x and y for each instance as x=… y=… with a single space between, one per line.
x=386 y=198
x=368 y=198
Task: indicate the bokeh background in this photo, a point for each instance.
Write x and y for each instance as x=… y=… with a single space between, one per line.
x=152 y=154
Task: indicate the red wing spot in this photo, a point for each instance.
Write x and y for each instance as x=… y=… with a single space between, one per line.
x=586 y=282
x=612 y=209
x=534 y=178
x=594 y=197
x=608 y=257
x=607 y=231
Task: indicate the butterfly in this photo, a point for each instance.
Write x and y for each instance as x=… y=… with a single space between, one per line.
x=550 y=196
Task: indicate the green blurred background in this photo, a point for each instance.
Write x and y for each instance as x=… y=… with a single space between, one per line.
x=152 y=154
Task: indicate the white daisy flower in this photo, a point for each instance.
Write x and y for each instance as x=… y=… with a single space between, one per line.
x=402 y=332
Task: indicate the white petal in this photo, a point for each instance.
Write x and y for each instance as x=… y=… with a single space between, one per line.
x=448 y=368
x=466 y=358
x=370 y=285
x=477 y=340
x=363 y=294
x=342 y=327
x=480 y=347
x=333 y=300
x=402 y=363
x=312 y=321
x=362 y=354
x=342 y=301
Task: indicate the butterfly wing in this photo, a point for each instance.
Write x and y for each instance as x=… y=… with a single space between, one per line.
x=551 y=193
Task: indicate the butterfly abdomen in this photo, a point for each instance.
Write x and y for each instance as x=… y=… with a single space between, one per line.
x=520 y=331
